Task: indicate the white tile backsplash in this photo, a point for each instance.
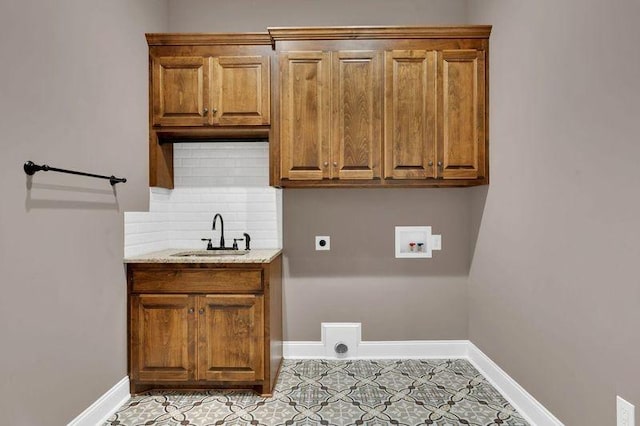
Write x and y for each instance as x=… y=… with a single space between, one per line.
x=224 y=164
x=230 y=178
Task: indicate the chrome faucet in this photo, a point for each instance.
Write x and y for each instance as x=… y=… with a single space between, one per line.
x=218 y=215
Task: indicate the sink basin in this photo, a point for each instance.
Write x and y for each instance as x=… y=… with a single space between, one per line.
x=210 y=253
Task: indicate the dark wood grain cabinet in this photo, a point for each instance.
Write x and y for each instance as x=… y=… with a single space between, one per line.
x=380 y=106
x=202 y=326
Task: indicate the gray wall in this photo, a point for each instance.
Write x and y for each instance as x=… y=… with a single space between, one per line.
x=554 y=287
x=73 y=86
x=359 y=280
x=257 y=15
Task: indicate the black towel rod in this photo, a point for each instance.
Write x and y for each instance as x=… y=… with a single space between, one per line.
x=30 y=168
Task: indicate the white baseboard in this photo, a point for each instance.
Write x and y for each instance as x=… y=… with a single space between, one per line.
x=413 y=349
x=303 y=350
x=534 y=412
x=105 y=406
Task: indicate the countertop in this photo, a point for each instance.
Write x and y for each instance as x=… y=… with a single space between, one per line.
x=165 y=256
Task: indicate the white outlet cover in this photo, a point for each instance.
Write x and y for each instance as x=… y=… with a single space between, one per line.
x=436 y=242
x=625 y=413
x=327 y=241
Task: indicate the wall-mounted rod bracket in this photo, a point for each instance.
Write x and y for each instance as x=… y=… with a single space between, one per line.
x=31 y=168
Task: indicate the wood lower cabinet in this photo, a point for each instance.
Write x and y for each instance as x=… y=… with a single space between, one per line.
x=231 y=337
x=189 y=328
x=406 y=106
x=161 y=329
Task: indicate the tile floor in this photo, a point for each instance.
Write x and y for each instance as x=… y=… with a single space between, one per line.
x=338 y=393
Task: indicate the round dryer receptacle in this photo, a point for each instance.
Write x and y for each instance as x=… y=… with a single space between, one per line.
x=341 y=348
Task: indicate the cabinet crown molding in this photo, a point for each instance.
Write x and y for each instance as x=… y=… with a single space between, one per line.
x=205 y=39
x=378 y=32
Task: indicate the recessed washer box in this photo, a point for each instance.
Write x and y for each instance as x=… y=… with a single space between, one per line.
x=416 y=242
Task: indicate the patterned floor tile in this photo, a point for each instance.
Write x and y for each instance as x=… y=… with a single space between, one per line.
x=338 y=393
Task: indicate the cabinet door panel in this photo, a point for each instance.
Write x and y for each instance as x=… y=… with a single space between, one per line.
x=230 y=330
x=304 y=115
x=240 y=90
x=357 y=115
x=180 y=91
x=410 y=101
x=162 y=337
x=461 y=102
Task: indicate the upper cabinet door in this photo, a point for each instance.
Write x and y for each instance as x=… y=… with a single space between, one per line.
x=410 y=114
x=231 y=338
x=162 y=333
x=180 y=91
x=241 y=91
x=305 y=115
x=461 y=102
x=357 y=114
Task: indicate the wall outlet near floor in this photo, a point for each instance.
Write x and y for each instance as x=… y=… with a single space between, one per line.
x=323 y=243
x=625 y=413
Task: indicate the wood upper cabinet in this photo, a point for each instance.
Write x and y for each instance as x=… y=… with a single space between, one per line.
x=410 y=114
x=230 y=334
x=180 y=90
x=205 y=326
x=305 y=115
x=330 y=118
x=407 y=106
x=461 y=102
x=357 y=114
x=202 y=91
x=241 y=91
x=205 y=86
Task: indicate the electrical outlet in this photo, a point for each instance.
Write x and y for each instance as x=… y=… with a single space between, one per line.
x=323 y=243
x=625 y=413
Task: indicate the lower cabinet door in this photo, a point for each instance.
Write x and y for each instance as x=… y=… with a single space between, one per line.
x=230 y=337
x=162 y=338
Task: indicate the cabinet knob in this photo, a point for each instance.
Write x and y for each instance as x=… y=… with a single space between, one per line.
x=335 y=164
x=205 y=111
x=430 y=163
x=201 y=311
x=191 y=310
x=439 y=163
x=326 y=163
x=215 y=110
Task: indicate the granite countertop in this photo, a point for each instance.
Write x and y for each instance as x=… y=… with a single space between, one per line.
x=165 y=256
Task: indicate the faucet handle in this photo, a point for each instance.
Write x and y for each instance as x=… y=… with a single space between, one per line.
x=247 y=241
x=235 y=243
x=209 y=246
